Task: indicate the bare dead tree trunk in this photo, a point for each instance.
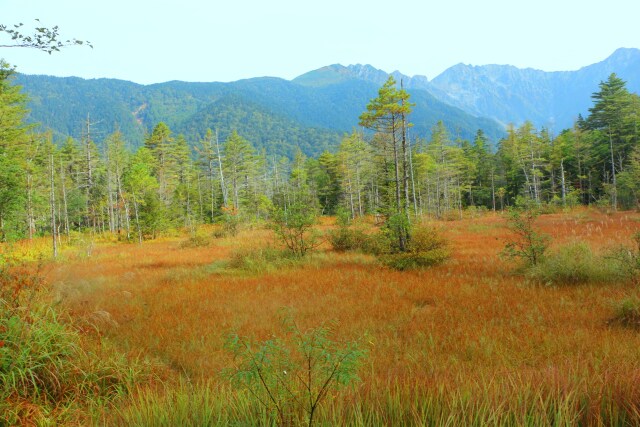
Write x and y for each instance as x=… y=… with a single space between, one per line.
x=562 y=180
x=614 y=192
x=64 y=200
x=222 y=186
x=52 y=203
x=413 y=181
x=405 y=168
x=200 y=196
x=30 y=216
x=135 y=207
x=112 y=220
x=493 y=189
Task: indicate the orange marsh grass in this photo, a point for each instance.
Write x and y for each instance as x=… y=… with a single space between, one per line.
x=465 y=337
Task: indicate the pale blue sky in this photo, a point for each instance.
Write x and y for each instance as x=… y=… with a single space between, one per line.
x=156 y=41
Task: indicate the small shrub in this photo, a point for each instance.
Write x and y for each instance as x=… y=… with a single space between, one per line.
x=229 y=224
x=573 y=264
x=262 y=260
x=393 y=237
x=349 y=239
x=415 y=260
x=292 y=376
x=219 y=233
x=426 y=239
x=379 y=244
x=196 y=241
x=451 y=215
x=627 y=313
x=476 y=211
x=398 y=229
x=627 y=259
x=293 y=222
x=426 y=248
x=528 y=244
x=550 y=208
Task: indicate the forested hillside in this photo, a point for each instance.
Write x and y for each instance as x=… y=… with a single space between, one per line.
x=269 y=112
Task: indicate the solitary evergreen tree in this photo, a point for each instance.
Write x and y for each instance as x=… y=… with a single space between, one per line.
x=607 y=118
x=387 y=115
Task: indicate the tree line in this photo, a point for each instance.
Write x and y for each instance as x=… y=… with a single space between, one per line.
x=58 y=188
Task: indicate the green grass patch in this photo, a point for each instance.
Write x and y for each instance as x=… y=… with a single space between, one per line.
x=574 y=264
x=49 y=372
x=426 y=248
x=627 y=313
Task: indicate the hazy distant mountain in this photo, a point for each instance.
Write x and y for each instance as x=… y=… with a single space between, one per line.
x=273 y=113
x=512 y=95
x=503 y=92
x=333 y=74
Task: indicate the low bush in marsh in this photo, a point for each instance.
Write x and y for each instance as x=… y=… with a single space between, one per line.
x=415 y=260
x=575 y=263
x=263 y=259
x=425 y=239
x=349 y=239
x=195 y=241
x=628 y=259
x=627 y=313
x=426 y=248
x=294 y=375
x=379 y=244
x=527 y=244
x=293 y=220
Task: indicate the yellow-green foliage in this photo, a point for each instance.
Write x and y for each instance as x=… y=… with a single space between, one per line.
x=291 y=376
x=46 y=370
x=196 y=241
x=576 y=263
x=262 y=260
x=349 y=239
x=427 y=248
x=627 y=313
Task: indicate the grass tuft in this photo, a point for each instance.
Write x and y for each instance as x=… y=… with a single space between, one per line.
x=48 y=372
x=627 y=313
x=196 y=241
x=427 y=248
x=574 y=264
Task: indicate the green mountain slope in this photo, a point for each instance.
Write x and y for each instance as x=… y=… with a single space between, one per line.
x=277 y=114
x=63 y=105
x=276 y=133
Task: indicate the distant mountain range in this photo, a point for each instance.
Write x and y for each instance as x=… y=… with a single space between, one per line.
x=503 y=92
x=314 y=110
x=550 y=99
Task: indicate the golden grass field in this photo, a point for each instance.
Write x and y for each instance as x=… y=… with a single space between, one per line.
x=472 y=328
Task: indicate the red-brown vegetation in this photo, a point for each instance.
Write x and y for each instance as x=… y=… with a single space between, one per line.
x=470 y=324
